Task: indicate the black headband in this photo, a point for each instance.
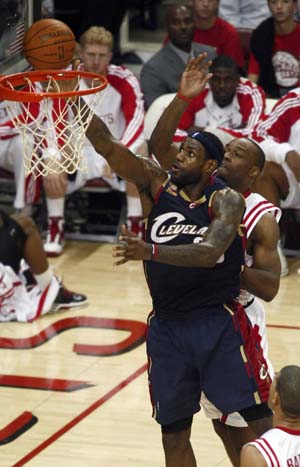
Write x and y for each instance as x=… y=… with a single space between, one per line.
x=212 y=144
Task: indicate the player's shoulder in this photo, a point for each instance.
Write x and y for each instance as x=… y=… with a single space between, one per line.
x=222 y=195
x=119 y=71
x=229 y=200
x=246 y=86
x=122 y=79
x=229 y=194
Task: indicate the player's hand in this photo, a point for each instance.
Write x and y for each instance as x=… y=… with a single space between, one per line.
x=195 y=76
x=130 y=248
x=292 y=159
x=55 y=185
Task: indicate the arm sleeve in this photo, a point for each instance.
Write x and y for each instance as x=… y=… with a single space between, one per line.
x=252 y=102
x=132 y=107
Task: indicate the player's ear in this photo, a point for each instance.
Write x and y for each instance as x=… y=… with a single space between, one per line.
x=254 y=172
x=210 y=166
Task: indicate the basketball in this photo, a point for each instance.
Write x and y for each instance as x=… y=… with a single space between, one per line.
x=49 y=44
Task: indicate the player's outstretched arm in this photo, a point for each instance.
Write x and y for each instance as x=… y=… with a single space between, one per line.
x=193 y=81
x=228 y=207
x=122 y=161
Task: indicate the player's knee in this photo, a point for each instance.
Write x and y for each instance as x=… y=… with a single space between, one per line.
x=220 y=428
x=176 y=436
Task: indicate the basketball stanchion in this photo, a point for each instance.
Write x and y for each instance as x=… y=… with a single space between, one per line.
x=52 y=121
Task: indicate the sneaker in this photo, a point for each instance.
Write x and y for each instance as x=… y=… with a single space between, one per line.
x=55 y=236
x=66 y=299
x=136 y=225
x=283 y=262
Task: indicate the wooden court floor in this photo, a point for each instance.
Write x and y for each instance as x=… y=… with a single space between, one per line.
x=73 y=384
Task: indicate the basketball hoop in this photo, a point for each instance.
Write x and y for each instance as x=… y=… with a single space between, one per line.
x=51 y=120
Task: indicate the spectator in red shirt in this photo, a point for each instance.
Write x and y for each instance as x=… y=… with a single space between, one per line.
x=275 y=50
x=228 y=101
x=214 y=31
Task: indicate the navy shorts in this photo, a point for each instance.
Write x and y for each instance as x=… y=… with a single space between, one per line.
x=208 y=353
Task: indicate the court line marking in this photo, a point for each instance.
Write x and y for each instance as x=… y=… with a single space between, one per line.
x=96 y=405
x=80 y=417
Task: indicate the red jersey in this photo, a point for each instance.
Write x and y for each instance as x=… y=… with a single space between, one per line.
x=224 y=37
x=285 y=60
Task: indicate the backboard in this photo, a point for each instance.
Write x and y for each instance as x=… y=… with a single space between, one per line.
x=15 y=18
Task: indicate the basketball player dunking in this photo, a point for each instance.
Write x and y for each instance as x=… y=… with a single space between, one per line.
x=242 y=163
x=191 y=210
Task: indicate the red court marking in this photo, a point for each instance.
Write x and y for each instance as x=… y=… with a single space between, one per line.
x=18 y=426
x=81 y=416
x=49 y=384
x=137 y=330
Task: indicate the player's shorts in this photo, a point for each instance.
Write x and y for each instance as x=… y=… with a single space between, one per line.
x=216 y=353
x=256 y=314
x=12 y=241
x=293 y=198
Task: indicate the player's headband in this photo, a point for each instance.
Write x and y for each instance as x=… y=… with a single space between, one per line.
x=211 y=142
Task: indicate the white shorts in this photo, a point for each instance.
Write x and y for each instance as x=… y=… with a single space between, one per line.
x=96 y=168
x=256 y=314
x=293 y=198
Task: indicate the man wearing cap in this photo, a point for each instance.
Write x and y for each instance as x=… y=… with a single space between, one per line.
x=193 y=259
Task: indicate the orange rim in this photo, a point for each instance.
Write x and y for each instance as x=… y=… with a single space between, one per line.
x=22 y=79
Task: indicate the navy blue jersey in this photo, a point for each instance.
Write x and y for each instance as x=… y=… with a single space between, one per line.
x=179 y=292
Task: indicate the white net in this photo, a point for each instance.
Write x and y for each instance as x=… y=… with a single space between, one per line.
x=53 y=129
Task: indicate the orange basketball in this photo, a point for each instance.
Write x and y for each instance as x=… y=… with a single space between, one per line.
x=49 y=44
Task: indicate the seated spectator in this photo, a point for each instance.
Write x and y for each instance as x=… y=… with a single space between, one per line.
x=244 y=13
x=279 y=136
x=227 y=101
x=162 y=73
x=20 y=240
x=214 y=31
x=279 y=446
x=275 y=50
x=122 y=109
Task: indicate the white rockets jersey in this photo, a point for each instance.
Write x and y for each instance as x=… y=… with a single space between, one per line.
x=280 y=447
x=243 y=113
x=279 y=131
x=121 y=106
x=7 y=129
x=256 y=207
